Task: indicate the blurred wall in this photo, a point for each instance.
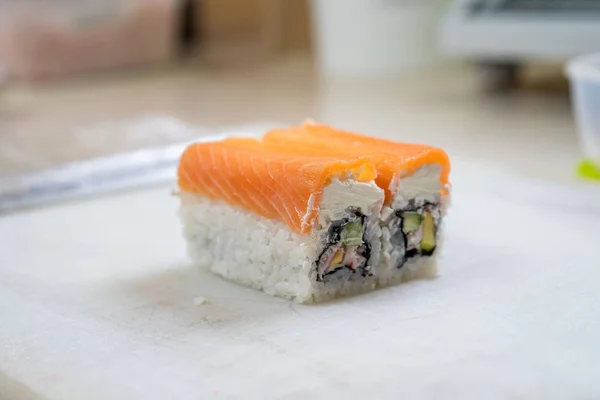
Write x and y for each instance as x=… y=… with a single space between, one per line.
x=253 y=27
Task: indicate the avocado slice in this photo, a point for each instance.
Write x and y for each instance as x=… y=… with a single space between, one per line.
x=411 y=221
x=428 y=238
x=352 y=234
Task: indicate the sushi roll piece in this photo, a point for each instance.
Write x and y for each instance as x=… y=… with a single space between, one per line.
x=295 y=224
x=415 y=178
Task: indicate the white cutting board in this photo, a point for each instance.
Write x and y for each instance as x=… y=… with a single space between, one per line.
x=97 y=302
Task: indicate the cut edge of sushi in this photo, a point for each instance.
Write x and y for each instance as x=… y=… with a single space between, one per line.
x=338 y=257
x=412 y=226
x=267 y=255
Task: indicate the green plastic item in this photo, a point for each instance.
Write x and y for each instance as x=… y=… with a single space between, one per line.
x=589 y=170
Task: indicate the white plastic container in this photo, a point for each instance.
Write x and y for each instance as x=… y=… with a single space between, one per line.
x=369 y=38
x=46 y=38
x=584 y=74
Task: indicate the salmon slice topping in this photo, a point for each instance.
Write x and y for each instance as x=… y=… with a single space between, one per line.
x=393 y=160
x=283 y=174
x=274 y=180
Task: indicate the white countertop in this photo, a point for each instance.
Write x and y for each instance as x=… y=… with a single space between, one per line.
x=97 y=303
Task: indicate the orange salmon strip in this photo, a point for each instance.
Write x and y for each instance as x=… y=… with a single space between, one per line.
x=274 y=180
x=393 y=160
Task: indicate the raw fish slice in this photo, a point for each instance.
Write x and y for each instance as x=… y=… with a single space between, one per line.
x=393 y=160
x=270 y=180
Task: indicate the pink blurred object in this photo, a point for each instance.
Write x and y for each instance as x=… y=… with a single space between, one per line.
x=41 y=39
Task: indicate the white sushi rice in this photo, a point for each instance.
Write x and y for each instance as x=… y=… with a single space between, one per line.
x=266 y=254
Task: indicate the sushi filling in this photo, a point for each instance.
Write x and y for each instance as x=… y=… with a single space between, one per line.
x=346 y=248
x=415 y=230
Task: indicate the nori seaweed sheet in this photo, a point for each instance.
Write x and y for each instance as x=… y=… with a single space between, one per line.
x=334 y=237
x=413 y=207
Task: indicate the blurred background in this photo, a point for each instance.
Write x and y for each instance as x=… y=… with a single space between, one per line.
x=482 y=78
